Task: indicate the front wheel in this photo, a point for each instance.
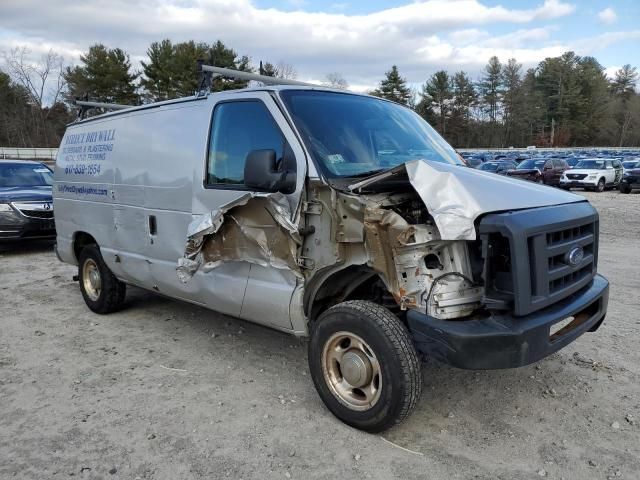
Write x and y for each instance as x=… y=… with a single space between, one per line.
x=625 y=188
x=600 y=186
x=364 y=365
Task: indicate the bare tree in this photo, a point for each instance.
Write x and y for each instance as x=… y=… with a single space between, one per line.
x=336 y=80
x=43 y=79
x=286 y=70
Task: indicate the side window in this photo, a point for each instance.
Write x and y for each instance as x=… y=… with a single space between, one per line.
x=238 y=128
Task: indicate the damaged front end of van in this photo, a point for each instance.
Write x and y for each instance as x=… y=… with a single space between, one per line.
x=485 y=272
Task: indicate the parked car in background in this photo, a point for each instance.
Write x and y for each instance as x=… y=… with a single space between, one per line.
x=26 y=204
x=540 y=170
x=500 y=167
x=593 y=174
x=630 y=164
x=630 y=178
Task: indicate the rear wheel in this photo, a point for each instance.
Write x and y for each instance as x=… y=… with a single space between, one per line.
x=364 y=365
x=101 y=290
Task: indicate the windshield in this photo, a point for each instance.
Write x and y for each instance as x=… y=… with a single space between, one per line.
x=590 y=164
x=631 y=164
x=352 y=135
x=529 y=164
x=28 y=175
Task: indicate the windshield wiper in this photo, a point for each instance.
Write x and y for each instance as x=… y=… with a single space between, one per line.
x=368 y=173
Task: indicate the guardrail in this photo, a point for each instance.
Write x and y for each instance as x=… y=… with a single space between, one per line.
x=28 y=153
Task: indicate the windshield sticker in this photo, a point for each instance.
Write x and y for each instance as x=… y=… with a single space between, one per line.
x=335 y=158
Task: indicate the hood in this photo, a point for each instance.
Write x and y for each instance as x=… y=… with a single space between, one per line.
x=25 y=194
x=457 y=196
x=633 y=171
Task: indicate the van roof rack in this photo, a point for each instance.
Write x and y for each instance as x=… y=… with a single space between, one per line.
x=208 y=72
x=86 y=105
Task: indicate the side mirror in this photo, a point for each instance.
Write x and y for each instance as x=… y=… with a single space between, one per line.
x=261 y=173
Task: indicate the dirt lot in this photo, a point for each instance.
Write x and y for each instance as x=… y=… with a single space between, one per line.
x=166 y=390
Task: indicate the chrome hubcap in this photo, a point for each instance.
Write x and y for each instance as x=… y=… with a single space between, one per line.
x=91 y=279
x=351 y=371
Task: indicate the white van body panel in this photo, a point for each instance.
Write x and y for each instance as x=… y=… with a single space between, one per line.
x=151 y=162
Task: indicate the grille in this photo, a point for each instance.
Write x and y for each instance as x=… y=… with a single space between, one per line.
x=560 y=273
x=576 y=176
x=37 y=213
x=35 y=209
x=540 y=244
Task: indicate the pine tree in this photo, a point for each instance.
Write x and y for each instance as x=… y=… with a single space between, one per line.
x=438 y=93
x=393 y=87
x=105 y=76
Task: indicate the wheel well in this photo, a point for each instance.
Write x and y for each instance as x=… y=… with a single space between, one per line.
x=81 y=240
x=357 y=282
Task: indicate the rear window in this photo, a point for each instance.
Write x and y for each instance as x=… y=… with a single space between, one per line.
x=28 y=175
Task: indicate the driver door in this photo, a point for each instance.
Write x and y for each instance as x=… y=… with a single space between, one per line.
x=242 y=123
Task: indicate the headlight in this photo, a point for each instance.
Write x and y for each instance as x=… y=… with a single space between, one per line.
x=5 y=207
x=592 y=176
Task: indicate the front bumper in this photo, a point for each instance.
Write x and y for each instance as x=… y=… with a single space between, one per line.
x=591 y=183
x=630 y=182
x=506 y=341
x=14 y=226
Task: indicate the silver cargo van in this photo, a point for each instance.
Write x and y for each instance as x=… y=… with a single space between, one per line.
x=330 y=215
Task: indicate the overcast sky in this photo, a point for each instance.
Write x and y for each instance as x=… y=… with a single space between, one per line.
x=361 y=40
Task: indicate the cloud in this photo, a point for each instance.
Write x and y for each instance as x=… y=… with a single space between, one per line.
x=610 y=72
x=419 y=37
x=608 y=16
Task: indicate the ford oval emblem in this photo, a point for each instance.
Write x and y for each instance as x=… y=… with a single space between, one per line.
x=576 y=254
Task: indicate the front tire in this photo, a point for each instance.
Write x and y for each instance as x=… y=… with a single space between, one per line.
x=364 y=365
x=101 y=290
x=601 y=186
x=625 y=189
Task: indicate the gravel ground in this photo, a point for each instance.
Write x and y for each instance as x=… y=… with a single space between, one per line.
x=167 y=390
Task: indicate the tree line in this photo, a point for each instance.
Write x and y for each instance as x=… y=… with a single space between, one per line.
x=563 y=101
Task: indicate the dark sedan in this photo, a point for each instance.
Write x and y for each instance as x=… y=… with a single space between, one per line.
x=500 y=166
x=630 y=178
x=540 y=170
x=26 y=204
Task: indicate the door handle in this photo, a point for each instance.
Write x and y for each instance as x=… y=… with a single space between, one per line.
x=153 y=225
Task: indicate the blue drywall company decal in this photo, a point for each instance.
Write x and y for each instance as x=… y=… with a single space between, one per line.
x=84 y=153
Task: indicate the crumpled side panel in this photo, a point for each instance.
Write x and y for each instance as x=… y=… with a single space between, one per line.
x=255 y=228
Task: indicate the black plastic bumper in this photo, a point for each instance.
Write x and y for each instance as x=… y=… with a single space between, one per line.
x=15 y=227
x=506 y=341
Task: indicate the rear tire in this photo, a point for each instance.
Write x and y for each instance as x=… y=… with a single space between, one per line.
x=101 y=290
x=364 y=365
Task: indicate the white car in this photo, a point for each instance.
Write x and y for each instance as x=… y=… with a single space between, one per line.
x=593 y=174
